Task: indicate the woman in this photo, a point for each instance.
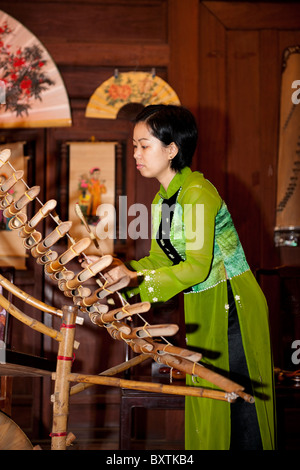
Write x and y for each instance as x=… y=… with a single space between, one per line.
x=195 y=249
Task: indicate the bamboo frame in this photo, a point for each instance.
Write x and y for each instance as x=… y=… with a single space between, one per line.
x=152 y=387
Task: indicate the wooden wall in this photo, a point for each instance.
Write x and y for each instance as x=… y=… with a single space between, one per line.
x=224 y=61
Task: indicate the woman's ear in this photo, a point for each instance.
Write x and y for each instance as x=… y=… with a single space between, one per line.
x=173 y=150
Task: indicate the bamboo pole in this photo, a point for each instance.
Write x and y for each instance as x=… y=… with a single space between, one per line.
x=153 y=387
x=27 y=298
x=62 y=386
x=199 y=370
x=31 y=322
x=112 y=371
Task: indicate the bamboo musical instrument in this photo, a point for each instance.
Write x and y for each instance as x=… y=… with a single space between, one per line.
x=116 y=321
x=71 y=284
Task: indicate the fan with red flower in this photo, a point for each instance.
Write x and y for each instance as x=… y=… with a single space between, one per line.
x=32 y=92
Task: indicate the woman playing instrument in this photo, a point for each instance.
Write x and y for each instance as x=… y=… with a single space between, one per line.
x=195 y=249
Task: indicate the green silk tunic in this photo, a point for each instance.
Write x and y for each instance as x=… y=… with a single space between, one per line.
x=203 y=233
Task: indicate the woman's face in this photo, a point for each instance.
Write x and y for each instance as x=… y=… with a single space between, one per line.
x=152 y=157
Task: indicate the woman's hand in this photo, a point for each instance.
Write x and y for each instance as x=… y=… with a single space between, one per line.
x=113 y=274
x=115 y=271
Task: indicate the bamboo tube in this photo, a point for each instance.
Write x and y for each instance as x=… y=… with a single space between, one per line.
x=140 y=346
x=199 y=370
x=106 y=290
x=114 y=328
x=59 y=232
x=31 y=322
x=68 y=255
x=47 y=257
x=161 y=349
x=90 y=271
x=123 y=312
x=10 y=182
x=63 y=275
x=112 y=371
x=22 y=202
x=94 y=310
x=151 y=387
x=4 y=156
x=33 y=239
x=18 y=221
x=5 y=201
x=81 y=292
x=62 y=385
x=40 y=215
x=152 y=330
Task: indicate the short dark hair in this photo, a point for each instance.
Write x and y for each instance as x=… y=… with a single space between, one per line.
x=172 y=123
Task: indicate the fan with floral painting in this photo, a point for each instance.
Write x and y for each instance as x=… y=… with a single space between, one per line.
x=129 y=87
x=32 y=92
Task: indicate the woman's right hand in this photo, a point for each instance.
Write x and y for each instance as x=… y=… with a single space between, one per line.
x=115 y=271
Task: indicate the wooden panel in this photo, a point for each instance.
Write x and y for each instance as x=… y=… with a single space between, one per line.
x=96 y=22
x=212 y=100
x=183 y=40
x=256 y=15
x=96 y=33
x=121 y=54
x=244 y=184
x=81 y=82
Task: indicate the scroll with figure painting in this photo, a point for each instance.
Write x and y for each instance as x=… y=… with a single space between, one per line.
x=92 y=186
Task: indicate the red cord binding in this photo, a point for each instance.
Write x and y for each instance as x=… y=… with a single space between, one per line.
x=57 y=434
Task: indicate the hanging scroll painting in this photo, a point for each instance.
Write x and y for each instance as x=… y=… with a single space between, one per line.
x=12 y=251
x=129 y=87
x=287 y=228
x=92 y=186
x=32 y=92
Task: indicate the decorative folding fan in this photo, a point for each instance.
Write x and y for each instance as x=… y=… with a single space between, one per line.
x=129 y=87
x=32 y=92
